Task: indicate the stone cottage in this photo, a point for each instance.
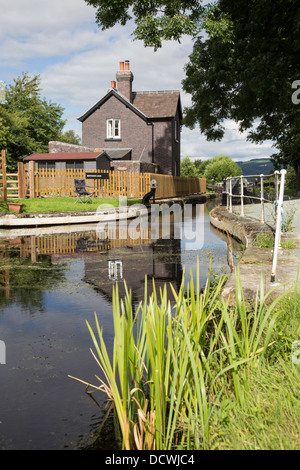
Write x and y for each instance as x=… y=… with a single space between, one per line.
x=137 y=130
x=146 y=124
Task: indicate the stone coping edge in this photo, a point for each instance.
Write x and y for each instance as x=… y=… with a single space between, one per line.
x=245 y=229
x=9 y=221
x=54 y=218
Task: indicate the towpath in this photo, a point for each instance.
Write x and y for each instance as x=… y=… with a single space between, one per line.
x=255 y=265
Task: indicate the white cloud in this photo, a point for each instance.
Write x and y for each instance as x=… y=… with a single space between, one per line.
x=77 y=61
x=93 y=70
x=234 y=144
x=23 y=18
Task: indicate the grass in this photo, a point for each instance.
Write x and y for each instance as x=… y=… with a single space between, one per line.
x=267 y=240
x=269 y=419
x=288 y=244
x=61 y=204
x=196 y=374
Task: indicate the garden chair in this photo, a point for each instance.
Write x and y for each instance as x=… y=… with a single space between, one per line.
x=83 y=192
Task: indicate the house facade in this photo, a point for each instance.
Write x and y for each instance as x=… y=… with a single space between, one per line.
x=145 y=125
x=125 y=130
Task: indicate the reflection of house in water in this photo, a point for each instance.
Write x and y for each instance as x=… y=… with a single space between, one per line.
x=110 y=258
x=160 y=261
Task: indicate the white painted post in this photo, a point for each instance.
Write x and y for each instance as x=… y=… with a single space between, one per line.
x=242 y=196
x=227 y=193
x=276 y=190
x=230 y=194
x=276 y=184
x=262 y=217
x=278 y=226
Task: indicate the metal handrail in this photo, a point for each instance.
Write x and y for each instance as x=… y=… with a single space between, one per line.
x=278 y=225
x=262 y=199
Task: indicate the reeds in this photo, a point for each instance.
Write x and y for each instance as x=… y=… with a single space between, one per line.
x=174 y=358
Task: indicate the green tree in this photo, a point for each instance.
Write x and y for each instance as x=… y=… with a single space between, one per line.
x=29 y=121
x=201 y=166
x=156 y=20
x=187 y=167
x=194 y=168
x=221 y=167
x=70 y=137
x=244 y=70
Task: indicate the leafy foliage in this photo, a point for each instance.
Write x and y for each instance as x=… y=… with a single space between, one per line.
x=221 y=167
x=28 y=122
x=244 y=71
x=156 y=20
x=70 y=137
x=216 y=168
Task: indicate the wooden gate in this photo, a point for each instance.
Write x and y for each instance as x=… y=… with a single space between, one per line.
x=3 y=186
x=12 y=185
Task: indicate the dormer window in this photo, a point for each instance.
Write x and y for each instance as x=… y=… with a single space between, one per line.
x=113 y=129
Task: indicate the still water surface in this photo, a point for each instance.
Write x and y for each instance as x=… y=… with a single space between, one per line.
x=49 y=286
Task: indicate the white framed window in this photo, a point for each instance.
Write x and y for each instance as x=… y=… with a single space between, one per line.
x=113 y=129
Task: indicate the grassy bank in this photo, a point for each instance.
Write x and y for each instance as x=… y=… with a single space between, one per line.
x=61 y=204
x=196 y=374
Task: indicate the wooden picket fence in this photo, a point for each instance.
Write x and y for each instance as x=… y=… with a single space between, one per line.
x=177 y=186
x=58 y=182
x=32 y=182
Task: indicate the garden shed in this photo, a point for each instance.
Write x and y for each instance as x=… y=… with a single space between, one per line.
x=71 y=160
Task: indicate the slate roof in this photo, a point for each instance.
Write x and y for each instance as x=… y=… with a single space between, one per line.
x=147 y=104
x=116 y=154
x=157 y=104
x=120 y=97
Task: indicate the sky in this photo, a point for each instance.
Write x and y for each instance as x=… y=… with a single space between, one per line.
x=60 y=41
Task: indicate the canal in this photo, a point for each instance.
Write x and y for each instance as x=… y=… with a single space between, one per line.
x=49 y=286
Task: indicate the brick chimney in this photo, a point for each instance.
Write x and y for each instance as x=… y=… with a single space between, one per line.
x=124 y=80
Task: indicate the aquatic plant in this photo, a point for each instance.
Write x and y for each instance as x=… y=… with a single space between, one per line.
x=174 y=360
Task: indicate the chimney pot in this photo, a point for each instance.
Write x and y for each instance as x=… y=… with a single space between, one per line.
x=124 y=81
x=113 y=84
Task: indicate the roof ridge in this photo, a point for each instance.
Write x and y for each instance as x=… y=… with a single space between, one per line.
x=155 y=92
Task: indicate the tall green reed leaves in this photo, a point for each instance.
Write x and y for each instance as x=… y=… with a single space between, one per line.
x=173 y=358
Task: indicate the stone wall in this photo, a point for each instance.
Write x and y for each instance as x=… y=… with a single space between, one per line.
x=134 y=166
x=60 y=147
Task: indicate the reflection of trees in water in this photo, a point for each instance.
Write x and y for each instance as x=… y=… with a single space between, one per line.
x=23 y=282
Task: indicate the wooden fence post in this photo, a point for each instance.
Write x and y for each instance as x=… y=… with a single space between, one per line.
x=21 y=181
x=4 y=182
x=31 y=170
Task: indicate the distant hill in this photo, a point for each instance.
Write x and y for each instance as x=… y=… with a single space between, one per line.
x=256 y=166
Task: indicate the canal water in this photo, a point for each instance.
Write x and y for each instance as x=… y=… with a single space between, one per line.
x=49 y=286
